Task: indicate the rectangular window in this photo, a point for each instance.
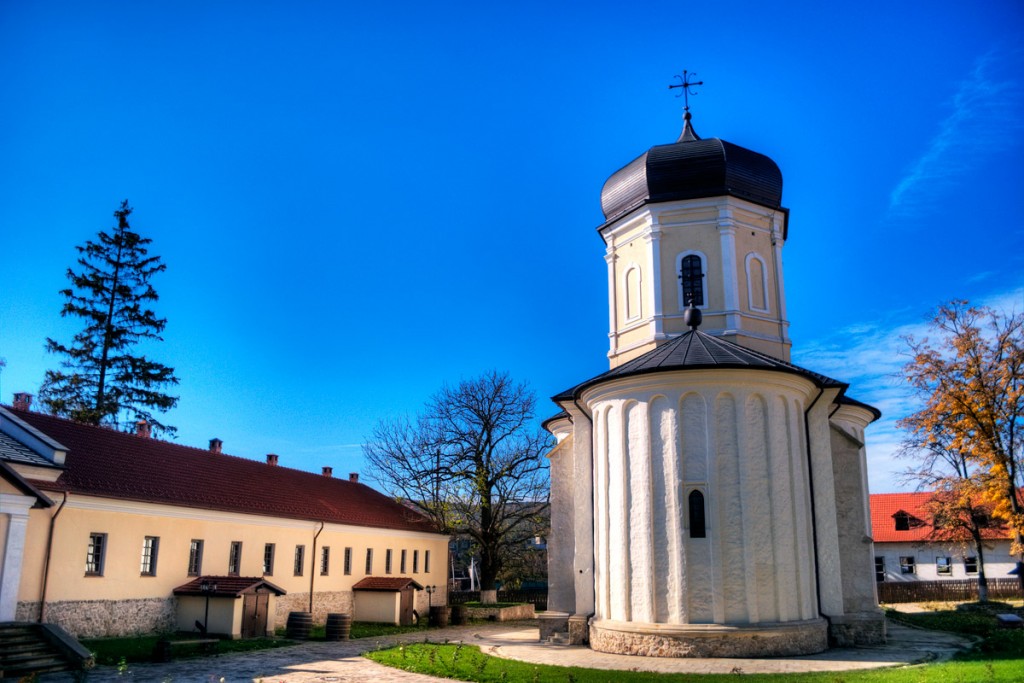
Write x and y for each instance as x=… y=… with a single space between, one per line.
x=369 y=561
x=348 y=561
x=971 y=565
x=907 y=565
x=943 y=566
x=94 y=554
x=300 y=559
x=150 y=544
x=325 y=560
x=402 y=570
x=387 y=561
x=268 y=559
x=879 y=569
x=195 y=557
x=415 y=561
x=235 y=558
x=426 y=561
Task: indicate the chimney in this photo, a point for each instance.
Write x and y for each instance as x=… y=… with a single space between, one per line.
x=271 y=459
x=22 y=401
x=353 y=476
x=216 y=445
x=142 y=429
x=327 y=471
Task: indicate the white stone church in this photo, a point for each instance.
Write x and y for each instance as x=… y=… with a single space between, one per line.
x=708 y=498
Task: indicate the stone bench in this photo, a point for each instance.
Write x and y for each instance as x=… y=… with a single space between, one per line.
x=164 y=650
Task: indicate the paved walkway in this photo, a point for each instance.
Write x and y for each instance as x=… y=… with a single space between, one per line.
x=342 y=662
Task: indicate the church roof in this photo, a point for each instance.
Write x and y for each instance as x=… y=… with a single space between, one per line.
x=695 y=350
x=107 y=463
x=692 y=168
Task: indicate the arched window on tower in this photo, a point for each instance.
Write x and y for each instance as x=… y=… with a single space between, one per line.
x=757 y=283
x=691 y=279
x=697 y=524
x=633 y=293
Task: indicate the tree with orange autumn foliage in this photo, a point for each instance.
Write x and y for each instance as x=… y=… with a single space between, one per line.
x=970 y=379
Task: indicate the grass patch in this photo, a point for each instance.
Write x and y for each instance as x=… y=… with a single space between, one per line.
x=467 y=663
x=114 y=651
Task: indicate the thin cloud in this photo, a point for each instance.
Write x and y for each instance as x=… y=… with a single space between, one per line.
x=870 y=356
x=984 y=112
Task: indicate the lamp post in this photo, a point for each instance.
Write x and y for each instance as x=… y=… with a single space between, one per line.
x=207 y=587
x=430 y=594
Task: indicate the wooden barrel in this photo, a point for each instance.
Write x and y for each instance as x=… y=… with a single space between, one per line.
x=458 y=615
x=299 y=625
x=339 y=626
x=438 y=616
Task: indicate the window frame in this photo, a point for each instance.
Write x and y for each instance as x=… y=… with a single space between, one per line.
x=879 y=568
x=943 y=566
x=426 y=561
x=369 y=561
x=195 y=557
x=387 y=560
x=235 y=558
x=415 y=561
x=404 y=564
x=269 y=550
x=680 y=289
x=348 y=561
x=696 y=514
x=970 y=561
x=299 y=564
x=96 y=554
x=325 y=560
x=908 y=564
x=150 y=552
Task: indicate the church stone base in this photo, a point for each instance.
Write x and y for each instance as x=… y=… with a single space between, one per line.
x=857 y=630
x=710 y=640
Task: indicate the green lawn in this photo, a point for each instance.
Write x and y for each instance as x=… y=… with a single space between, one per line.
x=998 y=657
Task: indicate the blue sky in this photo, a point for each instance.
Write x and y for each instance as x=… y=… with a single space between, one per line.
x=359 y=203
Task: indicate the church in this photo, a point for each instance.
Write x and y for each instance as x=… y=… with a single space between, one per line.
x=708 y=497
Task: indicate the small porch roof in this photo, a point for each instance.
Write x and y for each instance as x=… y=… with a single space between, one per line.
x=386 y=583
x=227 y=586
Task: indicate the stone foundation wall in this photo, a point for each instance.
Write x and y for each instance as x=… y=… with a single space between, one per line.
x=324 y=603
x=857 y=630
x=106 y=618
x=661 y=640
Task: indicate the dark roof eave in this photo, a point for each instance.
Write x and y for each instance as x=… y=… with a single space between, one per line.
x=619 y=215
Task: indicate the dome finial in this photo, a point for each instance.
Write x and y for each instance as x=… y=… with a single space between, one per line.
x=685 y=84
x=692 y=316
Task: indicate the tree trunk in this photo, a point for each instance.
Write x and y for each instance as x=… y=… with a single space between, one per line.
x=979 y=547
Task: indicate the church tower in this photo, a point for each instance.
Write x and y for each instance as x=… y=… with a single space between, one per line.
x=698 y=220
x=708 y=497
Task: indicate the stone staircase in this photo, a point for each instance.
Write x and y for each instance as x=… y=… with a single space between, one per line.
x=27 y=649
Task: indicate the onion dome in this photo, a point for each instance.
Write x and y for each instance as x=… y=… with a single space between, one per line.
x=692 y=168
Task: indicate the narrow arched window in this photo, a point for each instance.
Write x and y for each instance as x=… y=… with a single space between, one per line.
x=692 y=279
x=633 y=293
x=697 y=525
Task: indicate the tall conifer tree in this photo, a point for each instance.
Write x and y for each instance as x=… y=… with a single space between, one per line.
x=103 y=379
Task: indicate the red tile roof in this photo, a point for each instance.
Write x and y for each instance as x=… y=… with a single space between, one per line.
x=884 y=507
x=385 y=583
x=107 y=463
x=230 y=586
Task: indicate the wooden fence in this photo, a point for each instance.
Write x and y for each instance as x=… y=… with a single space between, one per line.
x=957 y=590
x=539 y=598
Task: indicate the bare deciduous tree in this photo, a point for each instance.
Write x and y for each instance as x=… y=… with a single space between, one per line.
x=473 y=462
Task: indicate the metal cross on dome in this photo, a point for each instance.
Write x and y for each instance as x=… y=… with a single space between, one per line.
x=685 y=83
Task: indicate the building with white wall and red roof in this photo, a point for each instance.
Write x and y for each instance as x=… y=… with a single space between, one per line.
x=909 y=547
x=107 y=533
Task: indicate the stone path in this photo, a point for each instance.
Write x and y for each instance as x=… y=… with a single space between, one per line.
x=323 y=662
